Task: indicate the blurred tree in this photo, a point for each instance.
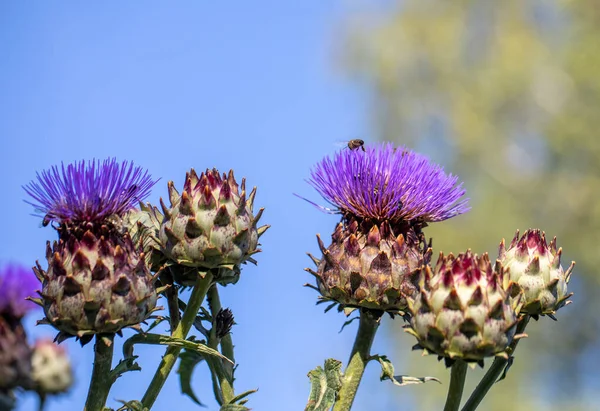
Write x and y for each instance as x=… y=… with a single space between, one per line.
x=506 y=95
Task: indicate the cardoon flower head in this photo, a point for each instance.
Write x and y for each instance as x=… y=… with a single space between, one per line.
x=97 y=280
x=391 y=184
x=386 y=196
x=462 y=311
x=211 y=225
x=16 y=284
x=535 y=269
x=88 y=192
x=52 y=372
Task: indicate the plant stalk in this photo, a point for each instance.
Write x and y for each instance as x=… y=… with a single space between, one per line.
x=183 y=328
x=492 y=374
x=458 y=375
x=225 y=369
x=101 y=377
x=360 y=356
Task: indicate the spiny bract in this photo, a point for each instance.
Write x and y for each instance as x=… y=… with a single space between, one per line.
x=375 y=271
x=462 y=311
x=535 y=267
x=210 y=226
x=96 y=282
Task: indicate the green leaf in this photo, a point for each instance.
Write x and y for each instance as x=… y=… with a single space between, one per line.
x=188 y=361
x=234 y=407
x=350 y=321
x=387 y=373
x=132 y=406
x=241 y=396
x=159 y=319
x=156 y=339
x=125 y=365
x=325 y=385
x=509 y=364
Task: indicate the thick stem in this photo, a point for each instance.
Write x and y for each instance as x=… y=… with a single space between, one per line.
x=183 y=328
x=457 y=384
x=491 y=376
x=225 y=370
x=360 y=356
x=101 y=377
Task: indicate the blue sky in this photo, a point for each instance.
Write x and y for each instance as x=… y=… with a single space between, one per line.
x=253 y=86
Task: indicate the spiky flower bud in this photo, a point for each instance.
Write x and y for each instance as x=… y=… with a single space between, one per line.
x=16 y=284
x=52 y=372
x=386 y=196
x=97 y=280
x=376 y=270
x=224 y=322
x=462 y=311
x=535 y=267
x=210 y=225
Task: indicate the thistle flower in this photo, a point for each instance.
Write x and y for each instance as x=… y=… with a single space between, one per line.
x=97 y=280
x=52 y=372
x=210 y=226
x=462 y=311
x=534 y=268
x=16 y=284
x=385 y=196
x=390 y=184
x=88 y=192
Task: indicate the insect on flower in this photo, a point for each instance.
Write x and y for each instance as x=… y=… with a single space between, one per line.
x=356 y=144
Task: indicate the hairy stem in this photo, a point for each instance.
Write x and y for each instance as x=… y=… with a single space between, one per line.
x=457 y=384
x=491 y=376
x=101 y=378
x=225 y=369
x=183 y=328
x=360 y=356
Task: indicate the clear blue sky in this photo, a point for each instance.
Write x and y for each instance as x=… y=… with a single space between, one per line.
x=252 y=86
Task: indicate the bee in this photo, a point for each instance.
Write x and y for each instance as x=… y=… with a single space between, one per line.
x=47 y=219
x=356 y=144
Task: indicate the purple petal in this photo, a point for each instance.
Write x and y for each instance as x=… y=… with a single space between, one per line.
x=385 y=183
x=89 y=191
x=17 y=283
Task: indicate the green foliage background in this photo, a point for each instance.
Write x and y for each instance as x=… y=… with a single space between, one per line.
x=506 y=94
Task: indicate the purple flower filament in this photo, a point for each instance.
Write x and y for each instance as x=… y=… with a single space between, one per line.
x=16 y=284
x=388 y=184
x=88 y=192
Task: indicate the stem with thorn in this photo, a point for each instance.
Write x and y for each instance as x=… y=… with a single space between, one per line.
x=360 y=356
x=101 y=377
x=458 y=375
x=183 y=328
x=224 y=370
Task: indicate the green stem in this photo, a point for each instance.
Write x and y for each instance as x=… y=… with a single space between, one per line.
x=225 y=370
x=360 y=356
x=101 y=377
x=183 y=328
x=457 y=384
x=491 y=376
x=42 y=403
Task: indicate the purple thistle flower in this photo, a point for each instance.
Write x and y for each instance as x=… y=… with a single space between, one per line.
x=388 y=184
x=88 y=192
x=16 y=284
